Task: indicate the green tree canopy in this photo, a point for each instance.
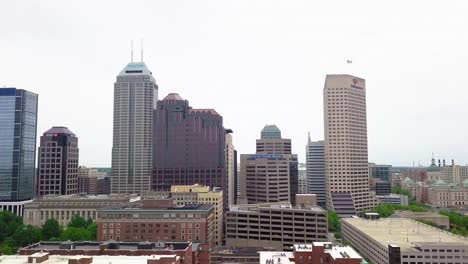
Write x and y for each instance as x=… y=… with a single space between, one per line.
x=27 y=235
x=50 y=229
x=9 y=222
x=76 y=234
x=78 y=222
x=334 y=224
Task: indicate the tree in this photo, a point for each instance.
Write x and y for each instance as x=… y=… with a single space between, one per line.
x=334 y=224
x=78 y=222
x=6 y=249
x=76 y=234
x=50 y=229
x=9 y=222
x=92 y=229
x=26 y=235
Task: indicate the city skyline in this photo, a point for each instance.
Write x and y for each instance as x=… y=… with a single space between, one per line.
x=403 y=105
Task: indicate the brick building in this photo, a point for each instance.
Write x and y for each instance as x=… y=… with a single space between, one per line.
x=315 y=253
x=156 y=220
x=112 y=251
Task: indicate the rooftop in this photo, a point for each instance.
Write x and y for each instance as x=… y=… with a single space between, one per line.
x=59 y=130
x=272 y=257
x=270 y=131
x=282 y=205
x=138 y=207
x=173 y=96
x=93 y=245
x=403 y=232
x=61 y=259
x=338 y=252
x=135 y=68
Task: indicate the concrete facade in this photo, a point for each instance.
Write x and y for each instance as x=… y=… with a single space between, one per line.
x=279 y=226
x=405 y=241
x=346 y=155
x=270 y=175
x=63 y=208
x=135 y=96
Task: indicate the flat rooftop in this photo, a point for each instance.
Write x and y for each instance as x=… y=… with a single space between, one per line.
x=93 y=245
x=284 y=206
x=343 y=252
x=409 y=214
x=285 y=257
x=59 y=259
x=139 y=207
x=403 y=232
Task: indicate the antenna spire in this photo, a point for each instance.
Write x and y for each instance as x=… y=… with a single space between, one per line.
x=141 y=59
x=308 y=134
x=131 y=56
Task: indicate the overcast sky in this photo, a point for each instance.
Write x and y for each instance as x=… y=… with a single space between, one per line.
x=255 y=62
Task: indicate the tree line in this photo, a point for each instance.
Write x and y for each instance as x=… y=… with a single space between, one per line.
x=14 y=234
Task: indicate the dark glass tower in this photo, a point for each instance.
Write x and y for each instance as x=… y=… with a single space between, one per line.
x=188 y=145
x=18 y=125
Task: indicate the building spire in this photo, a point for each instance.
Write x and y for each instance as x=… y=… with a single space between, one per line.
x=131 y=56
x=308 y=136
x=141 y=58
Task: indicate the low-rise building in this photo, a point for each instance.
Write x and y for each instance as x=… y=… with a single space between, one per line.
x=403 y=240
x=393 y=199
x=156 y=220
x=448 y=196
x=64 y=207
x=199 y=194
x=441 y=221
x=247 y=255
x=278 y=226
x=315 y=253
x=114 y=252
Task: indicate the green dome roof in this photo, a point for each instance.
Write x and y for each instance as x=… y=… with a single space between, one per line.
x=407 y=180
x=440 y=183
x=433 y=168
x=465 y=183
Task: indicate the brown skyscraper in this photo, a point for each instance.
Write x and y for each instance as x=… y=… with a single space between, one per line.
x=58 y=162
x=188 y=145
x=346 y=162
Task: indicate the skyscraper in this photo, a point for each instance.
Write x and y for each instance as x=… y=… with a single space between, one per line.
x=315 y=162
x=347 y=171
x=231 y=169
x=188 y=144
x=135 y=96
x=18 y=126
x=58 y=162
x=270 y=175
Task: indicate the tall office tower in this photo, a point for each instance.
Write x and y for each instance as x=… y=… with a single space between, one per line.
x=346 y=162
x=58 y=162
x=135 y=96
x=315 y=160
x=270 y=175
x=18 y=126
x=188 y=145
x=231 y=169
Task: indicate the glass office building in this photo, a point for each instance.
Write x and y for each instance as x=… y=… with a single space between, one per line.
x=18 y=125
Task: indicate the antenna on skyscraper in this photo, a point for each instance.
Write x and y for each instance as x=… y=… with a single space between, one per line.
x=141 y=50
x=131 y=58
